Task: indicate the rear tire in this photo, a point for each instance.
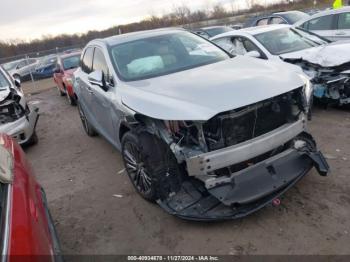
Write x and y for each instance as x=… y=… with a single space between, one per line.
x=71 y=100
x=60 y=91
x=150 y=165
x=89 y=130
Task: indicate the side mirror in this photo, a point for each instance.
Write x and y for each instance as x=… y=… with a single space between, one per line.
x=254 y=54
x=17 y=82
x=96 y=78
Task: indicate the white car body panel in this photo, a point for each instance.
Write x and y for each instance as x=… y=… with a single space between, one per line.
x=335 y=34
x=333 y=54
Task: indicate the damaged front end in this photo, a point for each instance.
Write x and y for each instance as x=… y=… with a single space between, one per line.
x=239 y=161
x=331 y=84
x=17 y=119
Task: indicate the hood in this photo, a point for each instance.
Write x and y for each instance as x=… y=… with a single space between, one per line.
x=331 y=55
x=203 y=92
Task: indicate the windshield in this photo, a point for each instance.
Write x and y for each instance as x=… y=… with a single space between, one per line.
x=165 y=54
x=3 y=80
x=294 y=17
x=287 y=40
x=71 y=62
x=9 y=66
x=47 y=61
x=217 y=30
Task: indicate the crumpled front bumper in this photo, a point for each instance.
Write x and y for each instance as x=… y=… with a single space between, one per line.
x=246 y=191
x=23 y=128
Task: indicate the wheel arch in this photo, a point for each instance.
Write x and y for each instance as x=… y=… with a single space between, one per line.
x=133 y=122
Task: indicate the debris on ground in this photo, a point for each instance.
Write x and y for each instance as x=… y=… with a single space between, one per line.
x=118 y=196
x=121 y=172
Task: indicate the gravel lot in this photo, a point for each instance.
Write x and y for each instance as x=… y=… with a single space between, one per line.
x=80 y=176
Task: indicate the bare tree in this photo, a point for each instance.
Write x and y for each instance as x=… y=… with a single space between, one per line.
x=182 y=13
x=218 y=11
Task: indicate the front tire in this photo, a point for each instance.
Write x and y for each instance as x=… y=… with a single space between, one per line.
x=150 y=165
x=33 y=140
x=60 y=93
x=71 y=100
x=89 y=130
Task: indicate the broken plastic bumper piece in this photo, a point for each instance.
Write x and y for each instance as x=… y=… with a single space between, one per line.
x=243 y=192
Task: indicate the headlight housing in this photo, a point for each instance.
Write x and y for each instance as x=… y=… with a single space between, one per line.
x=307 y=89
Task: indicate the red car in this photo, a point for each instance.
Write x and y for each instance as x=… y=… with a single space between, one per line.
x=26 y=224
x=63 y=73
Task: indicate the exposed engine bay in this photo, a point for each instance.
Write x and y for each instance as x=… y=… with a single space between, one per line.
x=239 y=125
x=17 y=119
x=11 y=108
x=331 y=84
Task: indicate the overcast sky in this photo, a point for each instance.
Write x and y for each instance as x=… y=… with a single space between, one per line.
x=29 y=19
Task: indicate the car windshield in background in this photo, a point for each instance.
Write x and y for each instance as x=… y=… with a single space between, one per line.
x=217 y=30
x=287 y=40
x=294 y=17
x=71 y=62
x=9 y=66
x=165 y=54
x=47 y=61
x=3 y=81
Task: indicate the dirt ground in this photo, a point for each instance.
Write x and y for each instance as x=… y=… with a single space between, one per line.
x=97 y=211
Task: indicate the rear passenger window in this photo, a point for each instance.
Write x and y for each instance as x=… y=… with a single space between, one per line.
x=277 y=21
x=86 y=64
x=344 y=21
x=101 y=64
x=263 y=21
x=321 y=23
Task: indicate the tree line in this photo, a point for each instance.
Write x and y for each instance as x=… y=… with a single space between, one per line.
x=180 y=15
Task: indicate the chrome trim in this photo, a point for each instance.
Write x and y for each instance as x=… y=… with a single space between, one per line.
x=202 y=165
x=6 y=225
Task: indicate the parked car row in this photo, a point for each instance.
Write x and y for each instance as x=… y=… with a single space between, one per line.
x=36 y=68
x=21 y=69
x=333 y=25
